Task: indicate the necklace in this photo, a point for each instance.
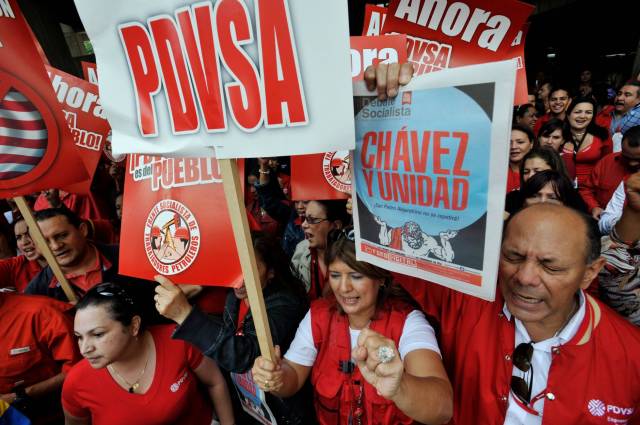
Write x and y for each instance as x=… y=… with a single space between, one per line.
x=132 y=387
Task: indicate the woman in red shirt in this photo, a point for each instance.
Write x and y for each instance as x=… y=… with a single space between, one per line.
x=522 y=140
x=589 y=142
x=553 y=135
x=135 y=375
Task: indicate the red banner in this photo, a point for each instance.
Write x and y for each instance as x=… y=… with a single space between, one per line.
x=85 y=117
x=175 y=222
x=328 y=175
x=441 y=35
x=90 y=72
x=36 y=147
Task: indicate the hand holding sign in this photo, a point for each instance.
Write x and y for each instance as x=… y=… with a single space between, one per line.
x=268 y=374
x=386 y=78
x=171 y=302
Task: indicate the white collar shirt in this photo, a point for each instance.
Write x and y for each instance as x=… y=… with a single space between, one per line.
x=541 y=362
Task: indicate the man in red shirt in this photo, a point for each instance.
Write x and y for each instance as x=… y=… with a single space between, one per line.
x=84 y=263
x=627 y=98
x=610 y=171
x=578 y=353
x=559 y=100
x=37 y=348
x=544 y=351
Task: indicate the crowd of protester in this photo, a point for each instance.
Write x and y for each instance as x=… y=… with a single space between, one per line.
x=354 y=343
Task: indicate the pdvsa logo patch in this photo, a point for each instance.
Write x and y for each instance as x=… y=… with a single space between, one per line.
x=615 y=414
x=171 y=237
x=597 y=407
x=336 y=168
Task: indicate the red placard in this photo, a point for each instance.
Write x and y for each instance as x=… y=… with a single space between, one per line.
x=85 y=117
x=478 y=31
x=517 y=51
x=445 y=35
x=328 y=175
x=90 y=72
x=175 y=222
x=321 y=176
x=374 y=17
x=367 y=51
x=36 y=147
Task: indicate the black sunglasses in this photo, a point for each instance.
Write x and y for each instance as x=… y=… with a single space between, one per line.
x=110 y=290
x=522 y=360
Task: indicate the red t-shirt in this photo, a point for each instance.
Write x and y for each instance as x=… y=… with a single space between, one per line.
x=513 y=180
x=18 y=272
x=587 y=159
x=604 y=179
x=37 y=340
x=90 y=278
x=173 y=398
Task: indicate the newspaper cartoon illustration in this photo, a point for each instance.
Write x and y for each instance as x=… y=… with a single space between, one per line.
x=410 y=239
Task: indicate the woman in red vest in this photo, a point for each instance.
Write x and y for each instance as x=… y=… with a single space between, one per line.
x=371 y=355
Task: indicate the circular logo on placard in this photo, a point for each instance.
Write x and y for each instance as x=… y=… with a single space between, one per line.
x=336 y=168
x=171 y=237
x=597 y=407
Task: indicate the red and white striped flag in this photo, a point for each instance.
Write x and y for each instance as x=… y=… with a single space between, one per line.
x=23 y=136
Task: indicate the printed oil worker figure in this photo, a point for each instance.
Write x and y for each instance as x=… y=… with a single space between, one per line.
x=410 y=239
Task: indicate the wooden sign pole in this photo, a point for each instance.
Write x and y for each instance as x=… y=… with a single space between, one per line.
x=237 y=213
x=43 y=247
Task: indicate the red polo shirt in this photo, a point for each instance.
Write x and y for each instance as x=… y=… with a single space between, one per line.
x=605 y=177
x=37 y=340
x=90 y=278
x=18 y=272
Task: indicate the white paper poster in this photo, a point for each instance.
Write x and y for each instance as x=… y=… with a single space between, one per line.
x=430 y=175
x=246 y=78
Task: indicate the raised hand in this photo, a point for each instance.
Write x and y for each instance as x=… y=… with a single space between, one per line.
x=387 y=78
x=384 y=376
x=171 y=302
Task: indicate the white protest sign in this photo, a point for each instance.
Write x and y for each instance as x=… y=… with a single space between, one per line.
x=246 y=78
x=430 y=171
